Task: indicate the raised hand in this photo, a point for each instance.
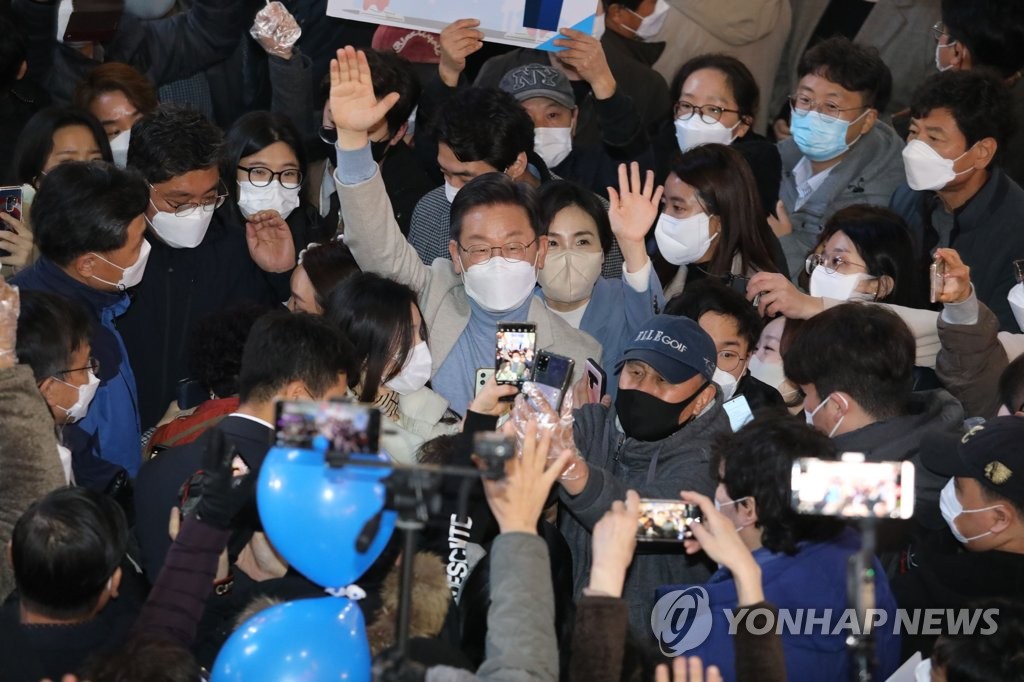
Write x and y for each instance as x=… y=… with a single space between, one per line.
x=354 y=106
x=632 y=210
x=780 y=223
x=270 y=241
x=779 y=296
x=687 y=670
x=584 y=54
x=956 y=282
x=16 y=238
x=459 y=39
x=614 y=540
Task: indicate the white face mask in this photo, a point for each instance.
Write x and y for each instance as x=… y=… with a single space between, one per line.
x=810 y=416
x=693 y=132
x=86 y=392
x=652 y=23
x=131 y=275
x=498 y=285
x=923 y=671
x=415 y=372
x=1016 y=301
x=726 y=381
x=552 y=144
x=450 y=192
x=938 y=59
x=721 y=505
x=181 y=232
x=273 y=197
x=836 y=285
x=683 y=240
x=598 y=30
x=569 y=275
x=926 y=168
x=119 y=147
x=949 y=505
x=773 y=374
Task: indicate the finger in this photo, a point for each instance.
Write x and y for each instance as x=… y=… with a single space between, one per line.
x=633 y=503
x=702 y=501
x=712 y=674
x=648 y=189
x=613 y=199
x=463 y=23
x=606 y=401
x=679 y=669
x=780 y=210
x=659 y=191
x=623 y=179
x=10 y=220
x=661 y=674
x=634 y=177
x=554 y=471
x=540 y=453
x=695 y=668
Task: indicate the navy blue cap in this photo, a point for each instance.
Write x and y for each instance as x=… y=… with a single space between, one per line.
x=991 y=453
x=676 y=347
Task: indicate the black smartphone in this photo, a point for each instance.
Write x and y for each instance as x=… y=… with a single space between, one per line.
x=93 y=21
x=515 y=352
x=597 y=380
x=666 y=520
x=347 y=427
x=190 y=394
x=10 y=203
x=552 y=374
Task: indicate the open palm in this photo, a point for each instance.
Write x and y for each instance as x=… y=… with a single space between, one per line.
x=633 y=208
x=354 y=106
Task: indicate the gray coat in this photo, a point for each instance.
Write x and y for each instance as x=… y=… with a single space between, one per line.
x=659 y=469
x=870 y=173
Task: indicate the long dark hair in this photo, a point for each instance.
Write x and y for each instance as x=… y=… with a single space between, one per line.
x=375 y=314
x=252 y=132
x=35 y=142
x=726 y=188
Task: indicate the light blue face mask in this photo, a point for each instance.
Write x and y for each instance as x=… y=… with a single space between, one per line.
x=821 y=137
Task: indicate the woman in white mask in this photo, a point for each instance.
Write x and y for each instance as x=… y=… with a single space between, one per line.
x=716 y=99
x=53 y=136
x=382 y=320
x=766 y=364
x=712 y=223
x=265 y=156
x=579 y=234
x=118 y=96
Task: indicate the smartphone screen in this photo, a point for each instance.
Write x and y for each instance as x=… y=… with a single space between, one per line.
x=515 y=348
x=666 y=520
x=596 y=380
x=853 y=489
x=348 y=427
x=10 y=203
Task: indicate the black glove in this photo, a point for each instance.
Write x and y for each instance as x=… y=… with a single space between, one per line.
x=225 y=491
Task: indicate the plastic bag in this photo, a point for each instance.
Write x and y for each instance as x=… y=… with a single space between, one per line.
x=276 y=30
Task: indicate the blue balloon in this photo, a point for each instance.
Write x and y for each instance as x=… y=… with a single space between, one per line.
x=310 y=640
x=313 y=514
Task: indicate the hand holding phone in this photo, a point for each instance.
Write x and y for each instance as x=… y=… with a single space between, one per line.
x=515 y=350
x=937 y=278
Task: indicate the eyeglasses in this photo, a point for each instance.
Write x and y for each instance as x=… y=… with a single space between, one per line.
x=728 y=360
x=709 y=113
x=261 y=176
x=938 y=30
x=187 y=209
x=830 y=263
x=804 y=105
x=512 y=252
x=93 y=366
x=329 y=135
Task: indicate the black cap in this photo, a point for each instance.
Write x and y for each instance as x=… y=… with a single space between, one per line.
x=991 y=453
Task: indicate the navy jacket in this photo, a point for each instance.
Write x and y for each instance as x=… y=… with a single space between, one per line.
x=111 y=427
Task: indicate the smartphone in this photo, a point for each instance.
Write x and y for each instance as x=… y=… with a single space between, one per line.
x=96 y=23
x=190 y=393
x=666 y=520
x=551 y=375
x=342 y=427
x=515 y=347
x=482 y=376
x=738 y=411
x=10 y=203
x=597 y=380
x=937 y=275
x=851 y=488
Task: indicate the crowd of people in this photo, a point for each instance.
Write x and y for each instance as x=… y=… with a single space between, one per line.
x=761 y=231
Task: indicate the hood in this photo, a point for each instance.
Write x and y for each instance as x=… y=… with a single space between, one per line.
x=429 y=604
x=736 y=22
x=900 y=437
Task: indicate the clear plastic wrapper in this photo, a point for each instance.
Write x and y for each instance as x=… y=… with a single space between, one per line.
x=276 y=30
x=10 y=305
x=532 y=405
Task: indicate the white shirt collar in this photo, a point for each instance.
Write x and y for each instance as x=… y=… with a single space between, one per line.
x=807 y=182
x=251 y=418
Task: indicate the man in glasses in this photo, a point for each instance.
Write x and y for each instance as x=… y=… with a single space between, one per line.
x=89 y=227
x=495 y=246
x=201 y=260
x=840 y=153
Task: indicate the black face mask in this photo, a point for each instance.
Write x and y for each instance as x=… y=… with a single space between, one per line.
x=647 y=418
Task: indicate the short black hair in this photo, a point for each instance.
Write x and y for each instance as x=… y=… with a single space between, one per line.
x=883 y=240
x=283 y=347
x=553 y=196
x=50 y=329
x=737 y=77
x=1011 y=384
x=995 y=655
x=172 y=141
x=65 y=548
x=485 y=124
x=863 y=350
x=35 y=141
x=13 y=52
x=491 y=189
x=215 y=347
x=85 y=206
x=149 y=657
x=391 y=73
x=758 y=462
x=709 y=295
x=993 y=31
x=857 y=68
x=978 y=100
x=375 y=314
x=252 y=132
